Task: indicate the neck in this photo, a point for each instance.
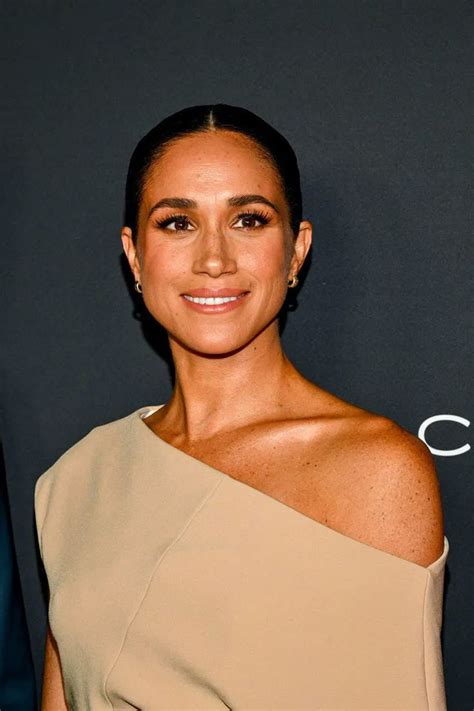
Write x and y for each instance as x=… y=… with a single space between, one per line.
x=214 y=394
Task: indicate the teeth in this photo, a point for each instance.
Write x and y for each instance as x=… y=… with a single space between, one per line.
x=211 y=301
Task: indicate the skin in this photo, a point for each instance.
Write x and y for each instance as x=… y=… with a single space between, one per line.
x=238 y=403
x=52 y=696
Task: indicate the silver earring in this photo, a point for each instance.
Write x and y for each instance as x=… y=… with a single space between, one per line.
x=138 y=287
x=293 y=282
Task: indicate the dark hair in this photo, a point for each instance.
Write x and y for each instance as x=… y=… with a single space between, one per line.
x=196 y=119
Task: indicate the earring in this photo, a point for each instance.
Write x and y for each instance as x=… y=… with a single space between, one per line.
x=294 y=281
x=138 y=287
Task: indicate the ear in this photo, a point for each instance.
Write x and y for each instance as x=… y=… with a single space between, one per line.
x=131 y=252
x=301 y=246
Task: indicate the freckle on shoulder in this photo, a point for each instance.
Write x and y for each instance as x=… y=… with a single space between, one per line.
x=396 y=490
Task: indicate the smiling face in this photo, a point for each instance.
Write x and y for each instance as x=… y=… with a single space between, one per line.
x=213 y=219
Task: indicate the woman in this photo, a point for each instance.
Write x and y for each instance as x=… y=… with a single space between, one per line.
x=255 y=542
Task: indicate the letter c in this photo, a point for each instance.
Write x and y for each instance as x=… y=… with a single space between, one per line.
x=444 y=452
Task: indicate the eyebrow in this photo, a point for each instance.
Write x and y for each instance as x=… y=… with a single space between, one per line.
x=236 y=200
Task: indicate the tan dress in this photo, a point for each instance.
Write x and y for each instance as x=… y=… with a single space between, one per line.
x=176 y=586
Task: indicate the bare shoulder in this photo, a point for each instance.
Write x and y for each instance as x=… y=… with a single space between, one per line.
x=394 y=489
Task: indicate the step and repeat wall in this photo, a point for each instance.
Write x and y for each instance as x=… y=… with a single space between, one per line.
x=375 y=98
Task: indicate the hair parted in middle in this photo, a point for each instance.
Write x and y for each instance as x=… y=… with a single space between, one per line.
x=273 y=146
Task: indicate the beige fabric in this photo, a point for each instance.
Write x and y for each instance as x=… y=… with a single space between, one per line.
x=175 y=586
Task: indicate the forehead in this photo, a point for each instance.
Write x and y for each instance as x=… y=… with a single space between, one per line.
x=204 y=164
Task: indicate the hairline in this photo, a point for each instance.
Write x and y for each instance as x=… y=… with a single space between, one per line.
x=264 y=154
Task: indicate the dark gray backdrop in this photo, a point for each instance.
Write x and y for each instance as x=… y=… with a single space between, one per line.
x=375 y=98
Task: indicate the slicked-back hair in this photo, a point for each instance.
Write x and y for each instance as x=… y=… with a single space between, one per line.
x=210 y=117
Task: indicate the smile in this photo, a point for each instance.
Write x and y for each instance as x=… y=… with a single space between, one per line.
x=214 y=304
x=210 y=300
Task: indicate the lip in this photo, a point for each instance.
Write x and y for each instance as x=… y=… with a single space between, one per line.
x=216 y=308
x=214 y=292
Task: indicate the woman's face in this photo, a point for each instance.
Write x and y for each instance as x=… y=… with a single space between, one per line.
x=214 y=221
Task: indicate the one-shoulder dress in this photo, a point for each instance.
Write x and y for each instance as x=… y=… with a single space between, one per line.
x=174 y=586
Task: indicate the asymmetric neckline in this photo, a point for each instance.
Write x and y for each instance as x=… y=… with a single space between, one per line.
x=142 y=412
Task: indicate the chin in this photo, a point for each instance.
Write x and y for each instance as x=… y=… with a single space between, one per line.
x=218 y=347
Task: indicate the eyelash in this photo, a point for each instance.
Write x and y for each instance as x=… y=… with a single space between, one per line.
x=262 y=216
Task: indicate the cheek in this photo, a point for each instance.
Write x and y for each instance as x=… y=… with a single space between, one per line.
x=171 y=265
x=163 y=263
x=269 y=261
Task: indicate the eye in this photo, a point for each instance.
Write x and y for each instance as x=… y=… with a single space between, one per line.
x=251 y=217
x=180 y=220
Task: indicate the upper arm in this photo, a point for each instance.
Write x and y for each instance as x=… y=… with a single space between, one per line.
x=52 y=698
x=401 y=500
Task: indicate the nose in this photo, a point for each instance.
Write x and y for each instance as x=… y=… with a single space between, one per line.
x=213 y=255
